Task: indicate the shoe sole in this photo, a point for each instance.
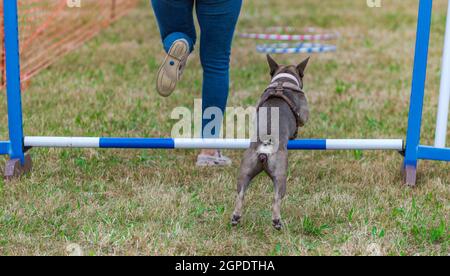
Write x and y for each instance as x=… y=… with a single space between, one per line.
x=169 y=72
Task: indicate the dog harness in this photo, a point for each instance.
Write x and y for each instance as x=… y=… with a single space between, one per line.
x=278 y=89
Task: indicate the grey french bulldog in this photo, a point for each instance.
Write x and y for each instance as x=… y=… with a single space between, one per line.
x=269 y=153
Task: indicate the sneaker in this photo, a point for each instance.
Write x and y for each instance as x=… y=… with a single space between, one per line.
x=218 y=160
x=172 y=67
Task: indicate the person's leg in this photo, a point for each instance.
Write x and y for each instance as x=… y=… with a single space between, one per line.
x=177 y=29
x=175 y=21
x=217 y=19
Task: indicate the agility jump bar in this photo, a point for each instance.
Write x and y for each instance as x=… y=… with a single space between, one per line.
x=286 y=48
x=181 y=143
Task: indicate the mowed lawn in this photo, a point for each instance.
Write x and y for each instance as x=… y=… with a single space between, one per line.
x=156 y=202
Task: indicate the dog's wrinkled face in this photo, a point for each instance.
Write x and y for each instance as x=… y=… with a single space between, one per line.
x=296 y=70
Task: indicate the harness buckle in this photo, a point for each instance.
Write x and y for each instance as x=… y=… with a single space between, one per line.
x=280 y=87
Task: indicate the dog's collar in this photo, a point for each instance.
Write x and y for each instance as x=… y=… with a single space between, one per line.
x=287 y=76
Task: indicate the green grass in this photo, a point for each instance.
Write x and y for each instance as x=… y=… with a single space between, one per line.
x=154 y=202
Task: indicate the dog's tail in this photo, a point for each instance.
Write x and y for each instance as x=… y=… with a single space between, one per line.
x=262 y=157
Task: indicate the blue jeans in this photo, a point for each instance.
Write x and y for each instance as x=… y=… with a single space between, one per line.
x=217 y=20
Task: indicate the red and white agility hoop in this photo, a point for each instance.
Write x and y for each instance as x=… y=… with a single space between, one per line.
x=270 y=35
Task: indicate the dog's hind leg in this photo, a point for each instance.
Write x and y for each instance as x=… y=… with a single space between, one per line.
x=278 y=172
x=250 y=168
x=280 y=191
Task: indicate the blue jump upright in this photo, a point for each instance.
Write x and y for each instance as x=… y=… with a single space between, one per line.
x=18 y=143
x=415 y=151
x=18 y=162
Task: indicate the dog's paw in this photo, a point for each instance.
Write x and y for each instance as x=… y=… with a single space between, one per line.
x=235 y=220
x=277 y=224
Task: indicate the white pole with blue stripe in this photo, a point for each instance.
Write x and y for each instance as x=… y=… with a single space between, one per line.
x=170 y=143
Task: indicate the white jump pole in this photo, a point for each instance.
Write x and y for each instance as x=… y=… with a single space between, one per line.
x=170 y=143
x=444 y=96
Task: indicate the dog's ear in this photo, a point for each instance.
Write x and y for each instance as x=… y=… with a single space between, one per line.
x=302 y=67
x=272 y=64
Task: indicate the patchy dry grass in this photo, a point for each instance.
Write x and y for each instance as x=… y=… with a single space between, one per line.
x=156 y=202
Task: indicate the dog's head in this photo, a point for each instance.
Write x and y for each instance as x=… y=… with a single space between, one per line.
x=297 y=71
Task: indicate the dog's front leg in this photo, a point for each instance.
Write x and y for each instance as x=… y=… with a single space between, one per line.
x=250 y=167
